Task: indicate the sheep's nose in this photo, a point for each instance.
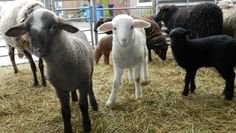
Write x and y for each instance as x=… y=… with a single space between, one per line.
x=39 y=50
x=124 y=39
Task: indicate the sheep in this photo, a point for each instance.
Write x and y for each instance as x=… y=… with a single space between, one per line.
x=229 y=11
x=68 y=57
x=129 y=51
x=155 y=40
x=103 y=47
x=203 y=19
x=14 y=14
x=216 y=51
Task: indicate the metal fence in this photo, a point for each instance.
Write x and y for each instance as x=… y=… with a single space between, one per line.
x=84 y=13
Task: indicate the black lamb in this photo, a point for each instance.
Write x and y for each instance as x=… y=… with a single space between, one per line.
x=218 y=51
x=203 y=20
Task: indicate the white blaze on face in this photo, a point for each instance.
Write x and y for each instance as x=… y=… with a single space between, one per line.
x=37 y=23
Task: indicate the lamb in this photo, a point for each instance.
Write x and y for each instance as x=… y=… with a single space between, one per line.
x=155 y=40
x=69 y=59
x=15 y=14
x=218 y=51
x=203 y=20
x=103 y=47
x=229 y=11
x=129 y=51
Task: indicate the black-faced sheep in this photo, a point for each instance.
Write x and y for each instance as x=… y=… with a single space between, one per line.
x=69 y=59
x=15 y=14
x=203 y=20
x=104 y=48
x=218 y=51
x=155 y=40
x=229 y=15
x=129 y=51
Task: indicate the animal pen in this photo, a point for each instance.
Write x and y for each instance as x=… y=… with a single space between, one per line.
x=24 y=108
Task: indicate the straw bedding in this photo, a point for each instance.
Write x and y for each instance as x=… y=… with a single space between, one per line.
x=162 y=109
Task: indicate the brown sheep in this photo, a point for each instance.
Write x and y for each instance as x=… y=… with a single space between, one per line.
x=103 y=47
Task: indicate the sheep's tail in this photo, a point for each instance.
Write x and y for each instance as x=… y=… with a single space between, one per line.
x=20 y=55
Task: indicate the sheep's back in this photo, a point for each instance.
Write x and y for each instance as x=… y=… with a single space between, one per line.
x=206 y=19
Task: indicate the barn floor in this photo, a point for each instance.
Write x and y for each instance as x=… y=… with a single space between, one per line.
x=162 y=109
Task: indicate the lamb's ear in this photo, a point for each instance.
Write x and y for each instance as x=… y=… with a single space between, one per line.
x=138 y=23
x=105 y=27
x=67 y=26
x=17 y=30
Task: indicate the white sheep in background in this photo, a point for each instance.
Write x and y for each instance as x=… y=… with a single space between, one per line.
x=229 y=16
x=129 y=51
x=14 y=13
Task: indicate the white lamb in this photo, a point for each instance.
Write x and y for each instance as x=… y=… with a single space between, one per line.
x=128 y=51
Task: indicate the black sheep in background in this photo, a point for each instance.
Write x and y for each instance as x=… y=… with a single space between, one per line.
x=203 y=20
x=218 y=51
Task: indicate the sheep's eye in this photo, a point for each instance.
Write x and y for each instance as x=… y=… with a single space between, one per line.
x=131 y=27
x=52 y=30
x=114 y=28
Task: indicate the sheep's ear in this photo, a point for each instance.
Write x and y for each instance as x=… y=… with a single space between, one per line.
x=67 y=26
x=105 y=27
x=17 y=30
x=141 y=23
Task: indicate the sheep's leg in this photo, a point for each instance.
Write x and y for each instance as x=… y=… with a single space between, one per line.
x=65 y=110
x=97 y=56
x=92 y=98
x=83 y=104
x=74 y=96
x=145 y=72
x=192 y=82
x=187 y=81
x=149 y=55
x=116 y=83
x=229 y=77
x=106 y=58
x=33 y=67
x=138 y=88
x=41 y=68
x=130 y=76
x=12 y=57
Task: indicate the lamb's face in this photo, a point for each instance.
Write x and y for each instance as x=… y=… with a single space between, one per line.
x=123 y=29
x=42 y=26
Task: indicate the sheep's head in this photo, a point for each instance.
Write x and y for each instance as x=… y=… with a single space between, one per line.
x=179 y=33
x=122 y=27
x=100 y=22
x=42 y=26
x=225 y=4
x=161 y=48
x=165 y=12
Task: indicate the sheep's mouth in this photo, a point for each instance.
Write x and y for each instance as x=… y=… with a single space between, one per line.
x=38 y=52
x=123 y=44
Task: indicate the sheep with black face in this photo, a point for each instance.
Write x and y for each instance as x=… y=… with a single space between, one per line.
x=69 y=59
x=218 y=51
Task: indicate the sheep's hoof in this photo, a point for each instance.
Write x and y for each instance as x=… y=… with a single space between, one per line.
x=44 y=84
x=185 y=93
x=139 y=96
x=145 y=82
x=110 y=102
